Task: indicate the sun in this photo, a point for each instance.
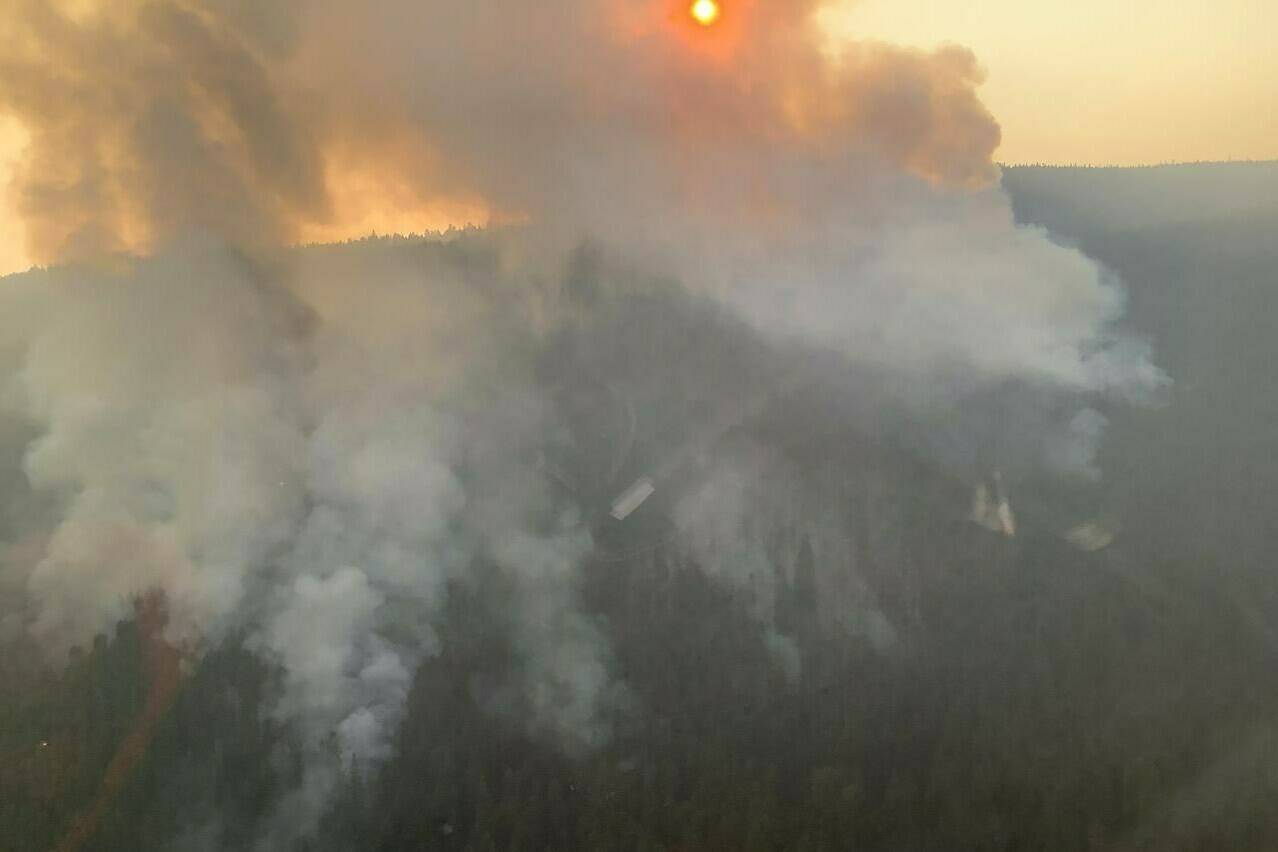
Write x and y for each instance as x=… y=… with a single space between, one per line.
x=704 y=12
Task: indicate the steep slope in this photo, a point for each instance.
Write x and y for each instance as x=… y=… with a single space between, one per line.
x=814 y=646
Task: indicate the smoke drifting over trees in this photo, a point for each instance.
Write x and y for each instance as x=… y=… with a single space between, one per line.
x=309 y=452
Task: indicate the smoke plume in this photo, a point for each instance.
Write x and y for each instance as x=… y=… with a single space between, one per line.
x=308 y=447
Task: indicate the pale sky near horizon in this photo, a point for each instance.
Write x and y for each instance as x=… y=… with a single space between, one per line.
x=1105 y=82
x=1085 y=81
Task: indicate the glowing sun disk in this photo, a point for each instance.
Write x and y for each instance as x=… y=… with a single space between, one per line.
x=704 y=12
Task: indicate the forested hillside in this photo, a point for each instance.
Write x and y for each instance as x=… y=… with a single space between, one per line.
x=882 y=674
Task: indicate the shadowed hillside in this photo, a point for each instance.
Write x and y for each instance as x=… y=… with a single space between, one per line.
x=870 y=670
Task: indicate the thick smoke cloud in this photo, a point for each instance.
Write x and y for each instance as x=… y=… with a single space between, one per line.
x=151 y=119
x=306 y=455
x=307 y=448
x=845 y=201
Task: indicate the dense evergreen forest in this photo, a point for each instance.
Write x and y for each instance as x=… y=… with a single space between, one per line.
x=1030 y=695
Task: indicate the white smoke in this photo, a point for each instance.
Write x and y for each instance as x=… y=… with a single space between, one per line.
x=303 y=462
x=309 y=447
x=751 y=522
x=163 y=395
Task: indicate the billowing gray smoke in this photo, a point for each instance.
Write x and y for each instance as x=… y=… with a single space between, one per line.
x=308 y=447
x=303 y=462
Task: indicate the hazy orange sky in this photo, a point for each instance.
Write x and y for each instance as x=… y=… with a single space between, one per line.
x=1085 y=81
x=12 y=256
x=1122 y=82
